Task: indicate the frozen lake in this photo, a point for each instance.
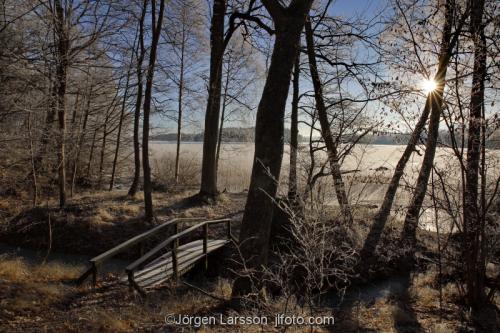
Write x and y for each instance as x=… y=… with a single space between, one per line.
x=374 y=164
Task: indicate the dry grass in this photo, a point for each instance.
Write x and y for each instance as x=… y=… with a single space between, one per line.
x=16 y=270
x=33 y=288
x=108 y=322
x=378 y=316
x=13 y=269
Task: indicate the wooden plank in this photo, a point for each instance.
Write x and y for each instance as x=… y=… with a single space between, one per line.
x=134 y=240
x=142 y=260
x=184 y=250
x=182 y=255
x=162 y=270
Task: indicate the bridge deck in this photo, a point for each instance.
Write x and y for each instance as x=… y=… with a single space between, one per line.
x=168 y=258
x=161 y=269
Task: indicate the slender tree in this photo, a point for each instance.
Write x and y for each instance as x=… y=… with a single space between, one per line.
x=137 y=113
x=448 y=44
x=62 y=64
x=156 y=29
x=326 y=133
x=436 y=105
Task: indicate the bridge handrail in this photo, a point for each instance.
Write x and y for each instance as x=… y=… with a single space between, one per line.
x=133 y=266
x=103 y=257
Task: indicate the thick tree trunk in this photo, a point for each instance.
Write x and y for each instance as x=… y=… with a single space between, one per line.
x=326 y=133
x=148 y=200
x=269 y=139
x=209 y=162
x=294 y=133
x=473 y=216
x=411 y=219
x=137 y=113
x=61 y=77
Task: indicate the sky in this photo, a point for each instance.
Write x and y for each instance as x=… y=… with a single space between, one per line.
x=345 y=8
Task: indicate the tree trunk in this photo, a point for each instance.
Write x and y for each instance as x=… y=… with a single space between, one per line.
x=49 y=123
x=179 y=119
x=156 y=26
x=91 y=154
x=118 y=136
x=222 y=115
x=33 y=169
x=81 y=140
x=103 y=147
x=411 y=219
x=294 y=133
x=137 y=113
x=473 y=217
x=385 y=209
x=269 y=139
x=380 y=218
x=61 y=76
x=326 y=133
x=209 y=162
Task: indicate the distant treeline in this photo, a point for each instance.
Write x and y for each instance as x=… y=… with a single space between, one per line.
x=247 y=134
x=230 y=134
x=445 y=139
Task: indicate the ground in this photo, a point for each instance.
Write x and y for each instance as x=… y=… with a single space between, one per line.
x=39 y=296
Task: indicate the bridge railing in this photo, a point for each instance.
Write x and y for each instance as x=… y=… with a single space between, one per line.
x=139 y=239
x=173 y=241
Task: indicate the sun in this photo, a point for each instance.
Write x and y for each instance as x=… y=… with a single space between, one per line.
x=429 y=86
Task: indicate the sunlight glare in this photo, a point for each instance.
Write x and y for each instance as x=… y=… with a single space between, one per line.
x=429 y=86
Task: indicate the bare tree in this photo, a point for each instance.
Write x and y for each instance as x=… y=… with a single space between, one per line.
x=436 y=105
x=209 y=162
x=137 y=113
x=156 y=29
x=333 y=155
x=474 y=222
x=269 y=135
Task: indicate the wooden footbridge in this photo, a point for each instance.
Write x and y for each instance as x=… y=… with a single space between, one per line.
x=169 y=258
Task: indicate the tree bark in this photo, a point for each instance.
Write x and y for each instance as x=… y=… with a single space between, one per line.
x=473 y=216
x=209 y=161
x=326 y=133
x=156 y=26
x=269 y=139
